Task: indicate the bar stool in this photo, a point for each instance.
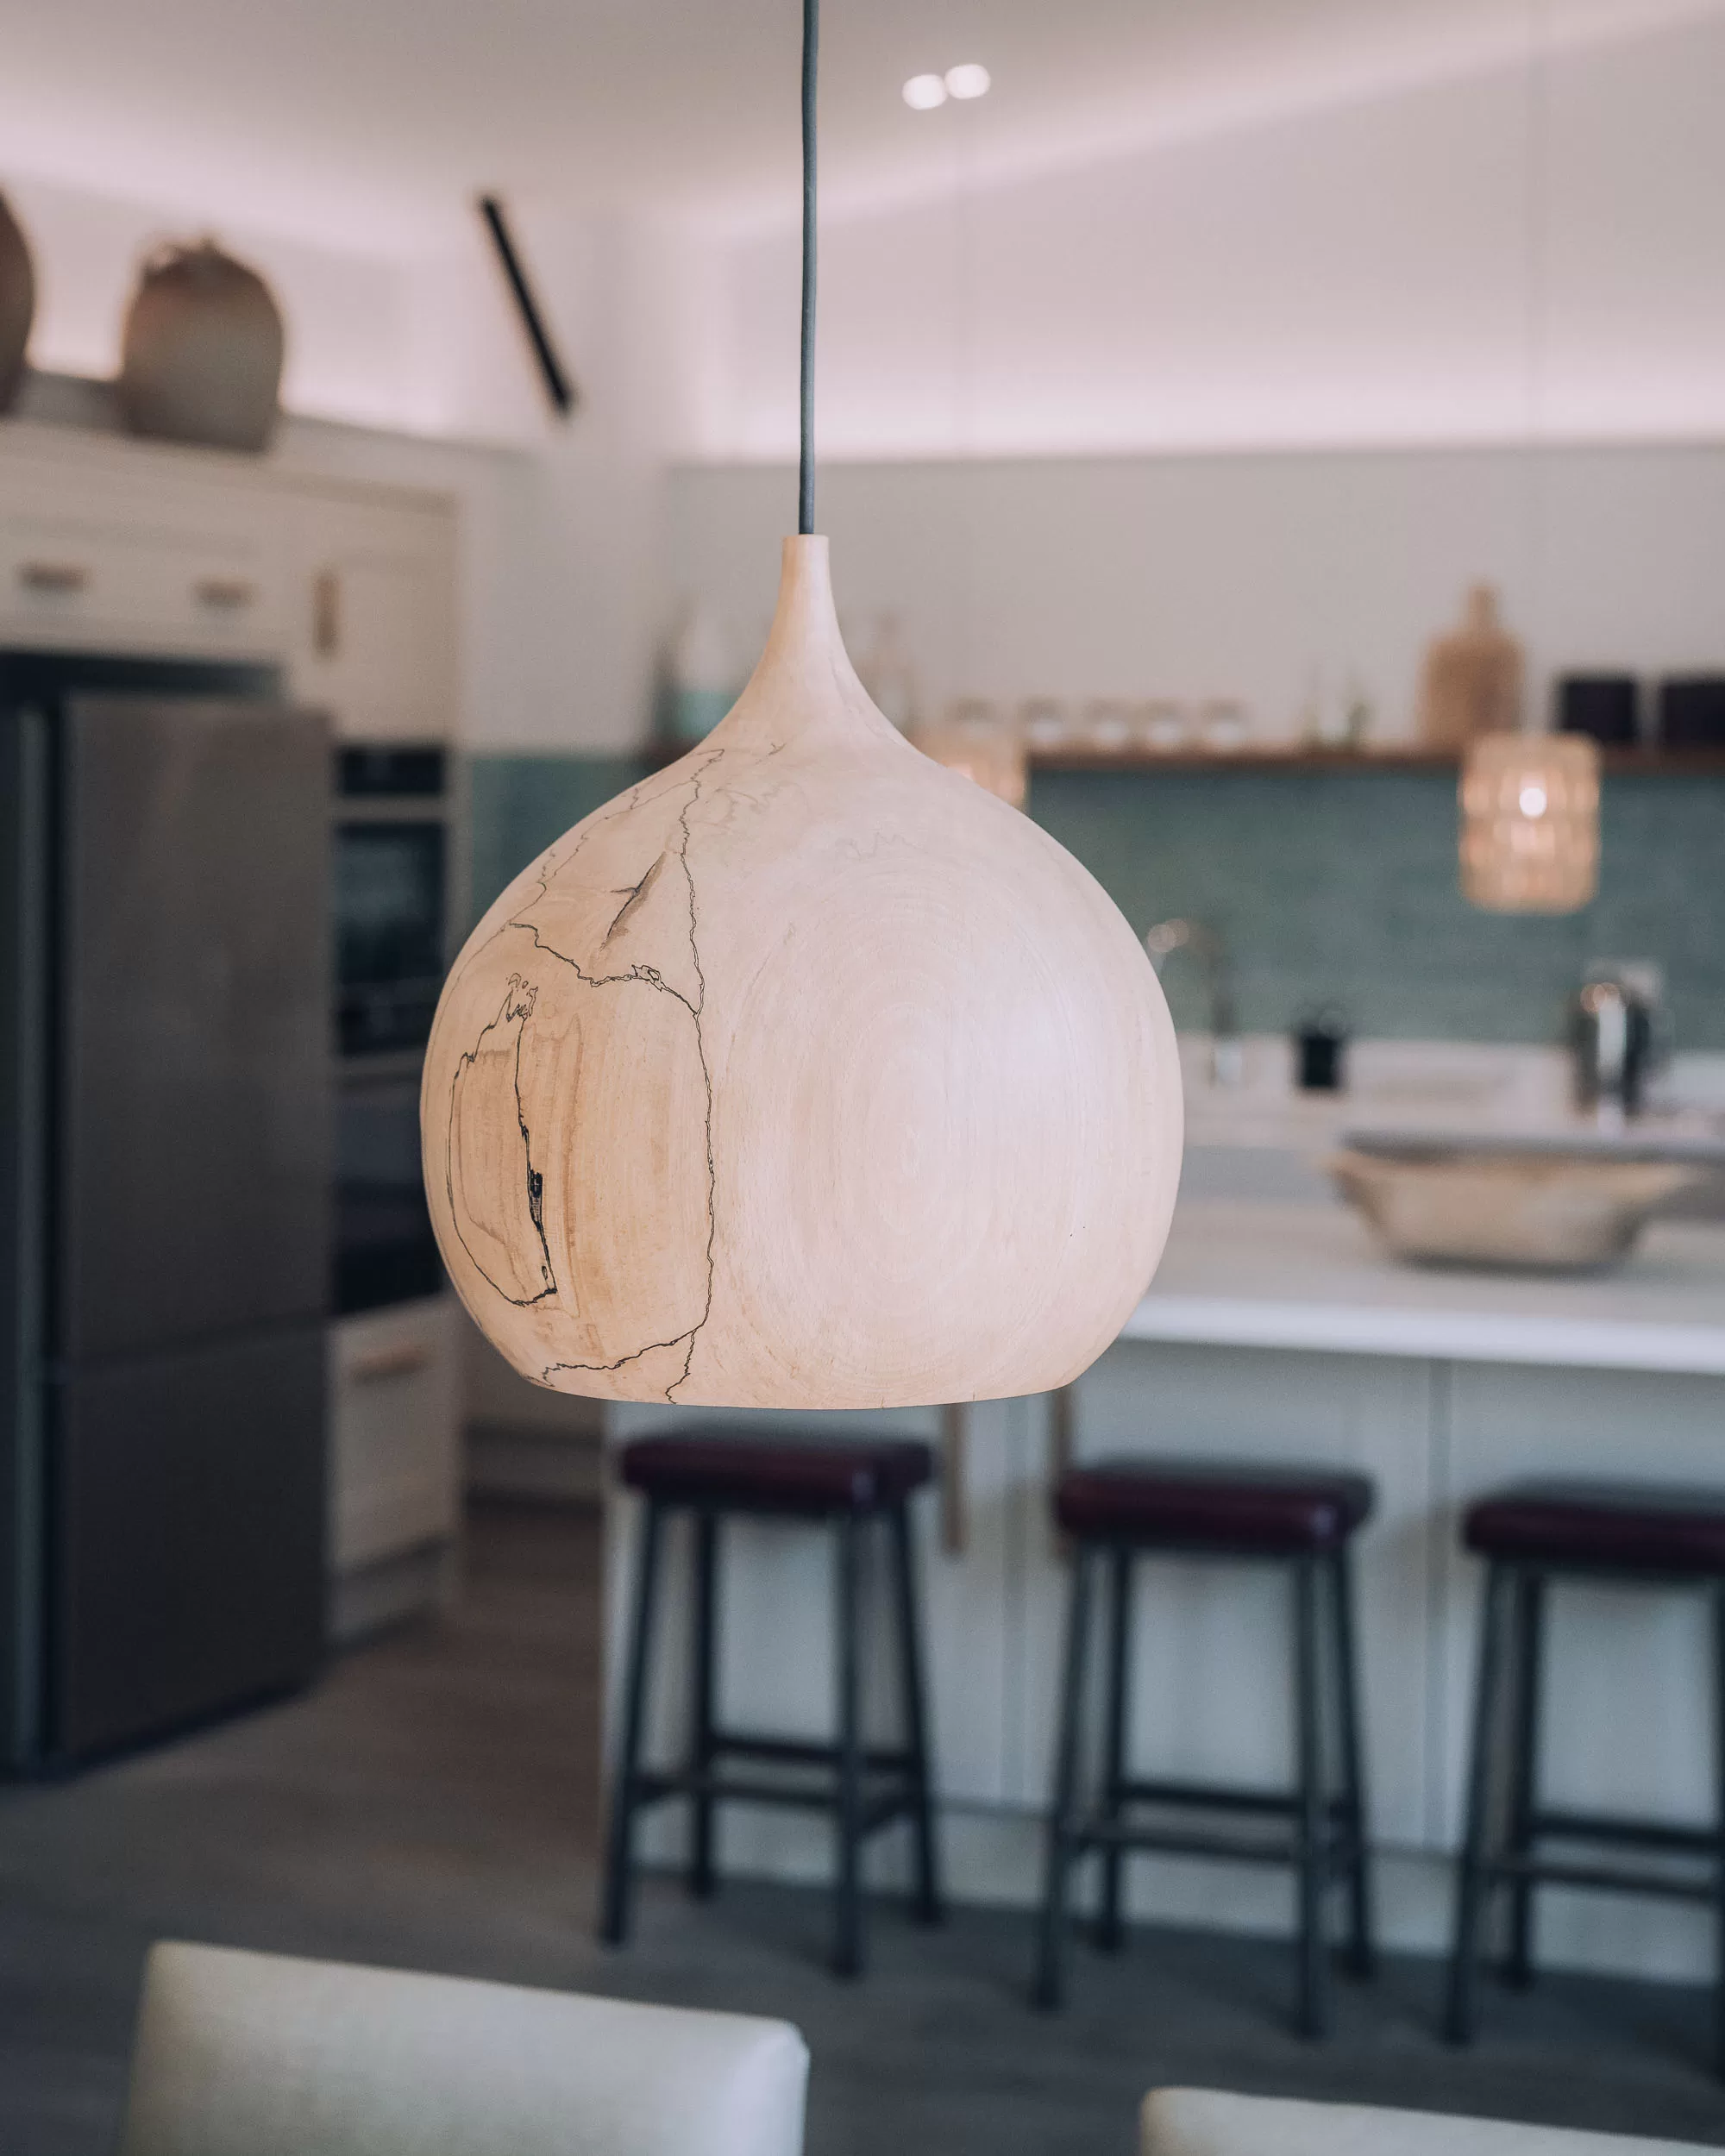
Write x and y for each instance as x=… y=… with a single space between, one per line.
x=847 y=1486
x=1529 y=1534
x=1119 y=1511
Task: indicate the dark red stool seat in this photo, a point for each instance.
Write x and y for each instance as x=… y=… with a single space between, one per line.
x=1615 y=1527
x=1195 y=1505
x=740 y=1471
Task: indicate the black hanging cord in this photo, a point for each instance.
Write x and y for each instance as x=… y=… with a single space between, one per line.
x=805 y=468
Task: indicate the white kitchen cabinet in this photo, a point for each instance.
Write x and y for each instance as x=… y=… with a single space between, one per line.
x=133 y=556
x=394 y=1487
x=372 y=633
x=112 y=545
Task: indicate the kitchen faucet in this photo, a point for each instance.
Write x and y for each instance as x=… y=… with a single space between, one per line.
x=1206 y=945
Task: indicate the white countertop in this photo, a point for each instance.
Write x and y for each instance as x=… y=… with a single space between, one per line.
x=1241 y=1273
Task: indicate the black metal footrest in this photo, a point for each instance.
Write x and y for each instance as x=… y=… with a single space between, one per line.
x=1338 y=1850
x=1550 y=1824
x=798 y=1752
x=1224 y=1798
x=1600 y=1878
x=721 y=1788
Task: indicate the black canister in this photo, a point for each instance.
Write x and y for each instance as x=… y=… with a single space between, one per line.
x=1320 y=1051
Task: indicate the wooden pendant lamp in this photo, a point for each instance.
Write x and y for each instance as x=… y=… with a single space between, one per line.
x=806 y=1074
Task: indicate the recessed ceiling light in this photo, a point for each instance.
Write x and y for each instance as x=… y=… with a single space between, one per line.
x=970 y=80
x=923 y=92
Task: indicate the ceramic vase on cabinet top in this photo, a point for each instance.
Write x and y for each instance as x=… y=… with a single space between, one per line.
x=17 y=305
x=202 y=352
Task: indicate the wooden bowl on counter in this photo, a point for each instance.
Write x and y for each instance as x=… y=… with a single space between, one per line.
x=1539 y=1210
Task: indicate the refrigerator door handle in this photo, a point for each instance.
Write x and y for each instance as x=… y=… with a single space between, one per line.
x=386 y=1363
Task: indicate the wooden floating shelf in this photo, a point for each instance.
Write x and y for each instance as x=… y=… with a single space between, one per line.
x=1149 y=760
x=1652 y=763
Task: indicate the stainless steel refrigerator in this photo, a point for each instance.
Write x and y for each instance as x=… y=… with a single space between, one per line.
x=165 y=1063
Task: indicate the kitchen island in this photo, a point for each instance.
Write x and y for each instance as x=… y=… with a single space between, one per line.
x=1276 y=1332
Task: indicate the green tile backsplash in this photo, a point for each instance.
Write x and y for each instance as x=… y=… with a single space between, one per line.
x=1329 y=886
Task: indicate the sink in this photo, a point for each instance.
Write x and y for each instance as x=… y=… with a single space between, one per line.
x=1529 y=1207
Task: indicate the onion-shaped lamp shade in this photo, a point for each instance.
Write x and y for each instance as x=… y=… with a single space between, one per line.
x=805 y=1074
x=1530 y=822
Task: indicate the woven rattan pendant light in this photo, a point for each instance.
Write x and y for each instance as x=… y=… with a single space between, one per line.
x=806 y=1074
x=1530 y=822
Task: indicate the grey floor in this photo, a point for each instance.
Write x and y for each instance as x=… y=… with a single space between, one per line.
x=425 y=1806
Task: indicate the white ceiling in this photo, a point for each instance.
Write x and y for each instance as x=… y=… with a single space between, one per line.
x=369 y=124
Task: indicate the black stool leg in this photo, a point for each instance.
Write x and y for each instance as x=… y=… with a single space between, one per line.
x=1530 y=1599
x=1049 y=1988
x=915 y=1695
x=704 y=1654
x=619 y=1858
x=847 y=1948
x=1314 y=1839
x=1109 y=1932
x=1354 y=1818
x=1471 y=1876
x=1719 y=1873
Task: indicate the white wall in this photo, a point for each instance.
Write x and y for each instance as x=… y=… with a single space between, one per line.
x=1223 y=414
x=1232 y=574
x=1446 y=263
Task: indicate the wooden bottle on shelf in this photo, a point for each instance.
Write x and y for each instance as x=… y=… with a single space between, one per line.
x=1472 y=681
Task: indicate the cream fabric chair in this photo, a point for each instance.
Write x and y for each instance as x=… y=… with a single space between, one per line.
x=1207 y=2122
x=243 y=2054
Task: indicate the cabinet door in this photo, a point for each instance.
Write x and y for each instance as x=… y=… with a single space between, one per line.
x=394 y=1438
x=191 y=1193
x=185 y=1557
x=138 y=559
x=373 y=640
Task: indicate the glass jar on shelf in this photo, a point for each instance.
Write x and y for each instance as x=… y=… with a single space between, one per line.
x=1162 y=727
x=1223 y=727
x=1044 y=723
x=978 y=737
x=1104 y=726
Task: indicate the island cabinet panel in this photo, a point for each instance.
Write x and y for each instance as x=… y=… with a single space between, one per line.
x=372 y=626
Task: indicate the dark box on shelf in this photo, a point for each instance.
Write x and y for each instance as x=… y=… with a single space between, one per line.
x=1601 y=705
x=1692 y=710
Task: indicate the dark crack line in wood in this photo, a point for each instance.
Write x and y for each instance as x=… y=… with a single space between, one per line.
x=604 y=1369
x=706 y=1080
x=634 y=896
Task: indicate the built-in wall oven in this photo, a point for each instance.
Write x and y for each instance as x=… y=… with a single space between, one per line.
x=393 y=847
